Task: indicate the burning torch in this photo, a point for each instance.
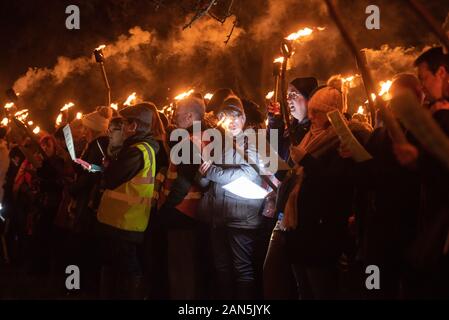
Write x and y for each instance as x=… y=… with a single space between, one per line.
x=287 y=51
x=99 y=57
x=277 y=68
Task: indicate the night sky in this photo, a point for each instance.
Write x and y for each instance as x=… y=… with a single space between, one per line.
x=169 y=60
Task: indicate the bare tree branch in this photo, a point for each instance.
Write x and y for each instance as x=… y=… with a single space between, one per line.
x=232 y=30
x=200 y=12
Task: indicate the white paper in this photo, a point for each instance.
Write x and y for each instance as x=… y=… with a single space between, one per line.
x=69 y=141
x=245 y=188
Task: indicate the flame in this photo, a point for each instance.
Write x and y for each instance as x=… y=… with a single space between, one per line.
x=36 y=130
x=278 y=60
x=9 y=105
x=224 y=122
x=5 y=122
x=299 y=34
x=21 y=115
x=373 y=96
x=59 y=119
x=184 y=95
x=385 y=87
x=208 y=96
x=269 y=95
x=321 y=28
x=266 y=122
x=114 y=106
x=360 y=110
x=30 y=123
x=131 y=98
x=67 y=106
x=100 y=47
x=79 y=115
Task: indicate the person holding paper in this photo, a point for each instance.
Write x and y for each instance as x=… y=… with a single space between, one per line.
x=234 y=220
x=317 y=210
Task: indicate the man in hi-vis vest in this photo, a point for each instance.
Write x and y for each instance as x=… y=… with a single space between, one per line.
x=125 y=206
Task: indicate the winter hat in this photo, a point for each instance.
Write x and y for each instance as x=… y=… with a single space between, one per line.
x=232 y=103
x=326 y=99
x=305 y=85
x=217 y=99
x=98 y=120
x=141 y=112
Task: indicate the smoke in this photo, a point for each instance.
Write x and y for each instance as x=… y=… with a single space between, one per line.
x=205 y=35
x=388 y=61
x=66 y=67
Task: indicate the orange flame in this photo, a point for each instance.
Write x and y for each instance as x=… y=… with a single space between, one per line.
x=21 y=115
x=79 y=115
x=30 y=123
x=299 y=34
x=114 y=106
x=9 y=105
x=59 y=119
x=36 y=130
x=360 y=110
x=208 y=96
x=224 y=122
x=269 y=95
x=278 y=60
x=385 y=88
x=101 y=47
x=5 y=122
x=184 y=95
x=67 y=106
x=130 y=100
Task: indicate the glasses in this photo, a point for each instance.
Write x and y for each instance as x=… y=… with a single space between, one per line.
x=294 y=95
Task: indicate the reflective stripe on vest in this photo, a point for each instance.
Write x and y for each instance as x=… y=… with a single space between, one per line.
x=128 y=206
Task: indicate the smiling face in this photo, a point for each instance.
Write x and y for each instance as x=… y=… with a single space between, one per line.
x=297 y=103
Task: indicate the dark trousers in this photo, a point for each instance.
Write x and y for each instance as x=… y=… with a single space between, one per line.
x=187 y=255
x=234 y=253
x=121 y=274
x=278 y=279
x=317 y=282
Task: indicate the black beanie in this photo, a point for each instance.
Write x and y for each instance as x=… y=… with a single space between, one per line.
x=305 y=85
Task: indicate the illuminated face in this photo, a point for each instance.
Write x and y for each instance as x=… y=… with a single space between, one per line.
x=183 y=119
x=234 y=122
x=433 y=84
x=115 y=134
x=297 y=103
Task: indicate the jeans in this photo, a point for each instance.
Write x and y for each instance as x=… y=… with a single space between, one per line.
x=233 y=251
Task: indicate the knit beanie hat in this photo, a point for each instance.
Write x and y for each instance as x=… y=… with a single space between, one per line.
x=326 y=99
x=98 y=120
x=305 y=85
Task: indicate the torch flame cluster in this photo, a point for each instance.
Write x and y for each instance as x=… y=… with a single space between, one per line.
x=184 y=95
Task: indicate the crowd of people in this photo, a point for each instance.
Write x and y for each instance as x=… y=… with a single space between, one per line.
x=145 y=227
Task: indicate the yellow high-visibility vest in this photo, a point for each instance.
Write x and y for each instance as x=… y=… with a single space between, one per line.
x=128 y=206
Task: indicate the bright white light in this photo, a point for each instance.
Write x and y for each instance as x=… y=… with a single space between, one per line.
x=245 y=188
